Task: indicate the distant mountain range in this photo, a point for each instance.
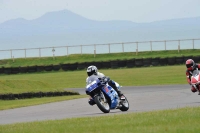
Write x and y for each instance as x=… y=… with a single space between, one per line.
x=67 y=28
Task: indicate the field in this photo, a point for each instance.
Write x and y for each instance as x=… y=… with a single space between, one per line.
x=53 y=81
x=184 y=120
x=90 y=57
x=173 y=121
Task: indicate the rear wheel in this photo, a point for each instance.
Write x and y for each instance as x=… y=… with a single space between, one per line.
x=102 y=103
x=125 y=104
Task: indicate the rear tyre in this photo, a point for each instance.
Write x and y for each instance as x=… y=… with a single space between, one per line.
x=125 y=104
x=103 y=105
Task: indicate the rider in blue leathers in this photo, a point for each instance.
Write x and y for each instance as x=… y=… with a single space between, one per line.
x=93 y=71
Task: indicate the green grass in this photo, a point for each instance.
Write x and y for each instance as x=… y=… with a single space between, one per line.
x=90 y=57
x=185 y=120
x=10 y=104
x=57 y=81
x=173 y=121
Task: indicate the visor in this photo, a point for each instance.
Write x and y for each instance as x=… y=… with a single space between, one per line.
x=89 y=73
x=188 y=65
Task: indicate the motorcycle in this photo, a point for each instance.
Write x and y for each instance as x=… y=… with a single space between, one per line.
x=195 y=80
x=105 y=97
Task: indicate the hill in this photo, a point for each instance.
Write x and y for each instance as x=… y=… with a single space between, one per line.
x=65 y=27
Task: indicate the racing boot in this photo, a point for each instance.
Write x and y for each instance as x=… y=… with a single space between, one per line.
x=91 y=101
x=112 y=84
x=120 y=94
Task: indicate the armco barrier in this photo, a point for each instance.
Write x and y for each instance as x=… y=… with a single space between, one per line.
x=32 y=69
x=163 y=61
x=105 y=64
x=40 y=68
x=187 y=57
x=1 y=70
x=7 y=70
x=48 y=68
x=114 y=64
x=87 y=64
x=146 y=62
x=64 y=67
x=171 y=61
x=122 y=63
x=56 y=67
x=27 y=95
x=155 y=61
x=95 y=63
x=15 y=70
x=129 y=63
x=139 y=62
x=23 y=69
x=81 y=66
x=72 y=67
x=180 y=60
x=196 y=58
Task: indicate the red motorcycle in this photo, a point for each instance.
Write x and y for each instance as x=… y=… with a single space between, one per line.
x=195 y=80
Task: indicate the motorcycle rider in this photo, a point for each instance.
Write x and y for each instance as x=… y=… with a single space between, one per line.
x=91 y=71
x=191 y=66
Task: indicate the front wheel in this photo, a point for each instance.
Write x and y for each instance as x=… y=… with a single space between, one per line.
x=125 y=104
x=102 y=104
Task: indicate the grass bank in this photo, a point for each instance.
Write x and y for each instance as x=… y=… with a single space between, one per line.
x=185 y=120
x=174 y=121
x=10 y=104
x=90 y=57
x=57 y=81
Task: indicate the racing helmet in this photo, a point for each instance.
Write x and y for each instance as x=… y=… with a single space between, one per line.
x=92 y=70
x=190 y=64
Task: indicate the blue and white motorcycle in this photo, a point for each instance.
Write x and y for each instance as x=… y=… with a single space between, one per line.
x=105 y=96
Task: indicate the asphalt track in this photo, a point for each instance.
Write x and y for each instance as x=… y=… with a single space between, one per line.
x=141 y=99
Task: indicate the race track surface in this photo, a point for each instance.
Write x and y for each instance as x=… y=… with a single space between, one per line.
x=141 y=99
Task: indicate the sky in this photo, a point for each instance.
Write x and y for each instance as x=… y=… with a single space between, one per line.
x=139 y=11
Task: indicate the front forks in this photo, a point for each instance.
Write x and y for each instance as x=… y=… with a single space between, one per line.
x=102 y=96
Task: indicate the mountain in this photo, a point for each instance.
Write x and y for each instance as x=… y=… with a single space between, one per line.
x=67 y=28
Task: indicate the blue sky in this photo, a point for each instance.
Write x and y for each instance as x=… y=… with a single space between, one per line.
x=102 y=10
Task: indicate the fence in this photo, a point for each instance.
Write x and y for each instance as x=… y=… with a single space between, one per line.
x=102 y=48
x=128 y=63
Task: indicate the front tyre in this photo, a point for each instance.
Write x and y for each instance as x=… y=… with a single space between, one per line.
x=102 y=104
x=125 y=104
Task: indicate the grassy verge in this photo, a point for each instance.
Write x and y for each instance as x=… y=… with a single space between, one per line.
x=90 y=57
x=57 y=81
x=173 y=121
x=10 y=104
x=185 y=120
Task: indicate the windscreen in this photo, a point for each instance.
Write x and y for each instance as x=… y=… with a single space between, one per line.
x=91 y=79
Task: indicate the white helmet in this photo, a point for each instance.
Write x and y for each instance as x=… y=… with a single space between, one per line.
x=92 y=70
